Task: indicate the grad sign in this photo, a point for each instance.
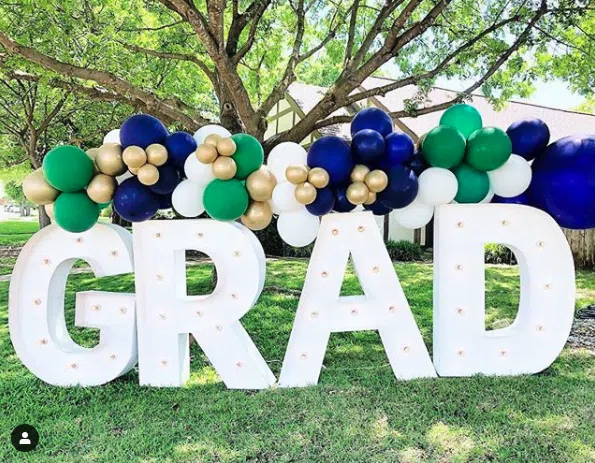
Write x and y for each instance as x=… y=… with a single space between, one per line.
x=480 y=184
x=151 y=327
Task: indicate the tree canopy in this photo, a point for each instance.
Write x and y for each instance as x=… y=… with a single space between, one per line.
x=191 y=62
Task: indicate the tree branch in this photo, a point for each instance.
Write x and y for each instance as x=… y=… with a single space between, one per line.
x=117 y=84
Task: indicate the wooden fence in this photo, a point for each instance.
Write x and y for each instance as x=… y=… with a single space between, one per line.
x=582 y=243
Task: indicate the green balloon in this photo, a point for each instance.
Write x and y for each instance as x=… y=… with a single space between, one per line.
x=68 y=168
x=249 y=155
x=474 y=184
x=75 y=212
x=225 y=199
x=443 y=147
x=463 y=117
x=488 y=148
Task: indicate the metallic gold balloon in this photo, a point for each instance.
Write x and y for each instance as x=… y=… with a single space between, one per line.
x=318 y=177
x=226 y=147
x=148 y=175
x=371 y=198
x=260 y=184
x=377 y=181
x=224 y=168
x=92 y=153
x=206 y=153
x=258 y=215
x=134 y=156
x=38 y=190
x=156 y=154
x=109 y=160
x=212 y=139
x=357 y=193
x=296 y=174
x=49 y=210
x=134 y=171
x=359 y=172
x=102 y=188
x=305 y=193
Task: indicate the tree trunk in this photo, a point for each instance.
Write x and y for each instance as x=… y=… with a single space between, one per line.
x=43 y=217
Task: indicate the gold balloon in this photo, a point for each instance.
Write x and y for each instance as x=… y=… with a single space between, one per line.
x=212 y=139
x=148 y=175
x=206 y=153
x=92 y=153
x=134 y=156
x=371 y=198
x=226 y=147
x=156 y=154
x=377 y=181
x=258 y=215
x=102 y=188
x=305 y=193
x=296 y=174
x=224 y=168
x=260 y=184
x=49 y=210
x=318 y=177
x=357 y=193
x=359 y=172
x=109 y=160
x=134 y=171
x=38 y=190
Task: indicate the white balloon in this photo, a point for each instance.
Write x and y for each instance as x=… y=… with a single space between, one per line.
x=207 y=130
x=284 y=197
x=112 y=137
x=414 y=216
x=274 y=208
x=437 y=186
x=187 y=199
x=513 y=178
x=298 y=228
x=197 y=172
x=284 y=155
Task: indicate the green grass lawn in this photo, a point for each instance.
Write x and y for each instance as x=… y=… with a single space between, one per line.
x=16 y=233
x=358 y=413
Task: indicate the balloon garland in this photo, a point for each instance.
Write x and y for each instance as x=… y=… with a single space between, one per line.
x=142 y=168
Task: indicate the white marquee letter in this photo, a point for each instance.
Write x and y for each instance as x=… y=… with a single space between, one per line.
x=36 y=316
x=166 y=314
x=462 y=346
x=322 y=311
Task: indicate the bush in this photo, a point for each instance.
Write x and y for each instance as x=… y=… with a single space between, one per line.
x=499 y=254
x=306 y=251
x=404 y=251
x=270 y=240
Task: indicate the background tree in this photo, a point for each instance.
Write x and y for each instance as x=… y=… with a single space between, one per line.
x=190 y=62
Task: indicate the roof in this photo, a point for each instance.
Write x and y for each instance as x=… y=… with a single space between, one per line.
x=560 y=122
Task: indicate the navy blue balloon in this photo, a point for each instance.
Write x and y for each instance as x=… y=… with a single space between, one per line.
x=401 y=190
x=179 y=146
x=367 y=147
x=165 y=201
x=342 y=204
x=374 y=119
x=523 y=199
x=418 y=163
x=142 y=130
x=333 y=154
x=529 y=137
x=400 y=150
x=324 y=202
x=169 y=179
x=563 y=182
x=134 y=201
x=377 y=208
